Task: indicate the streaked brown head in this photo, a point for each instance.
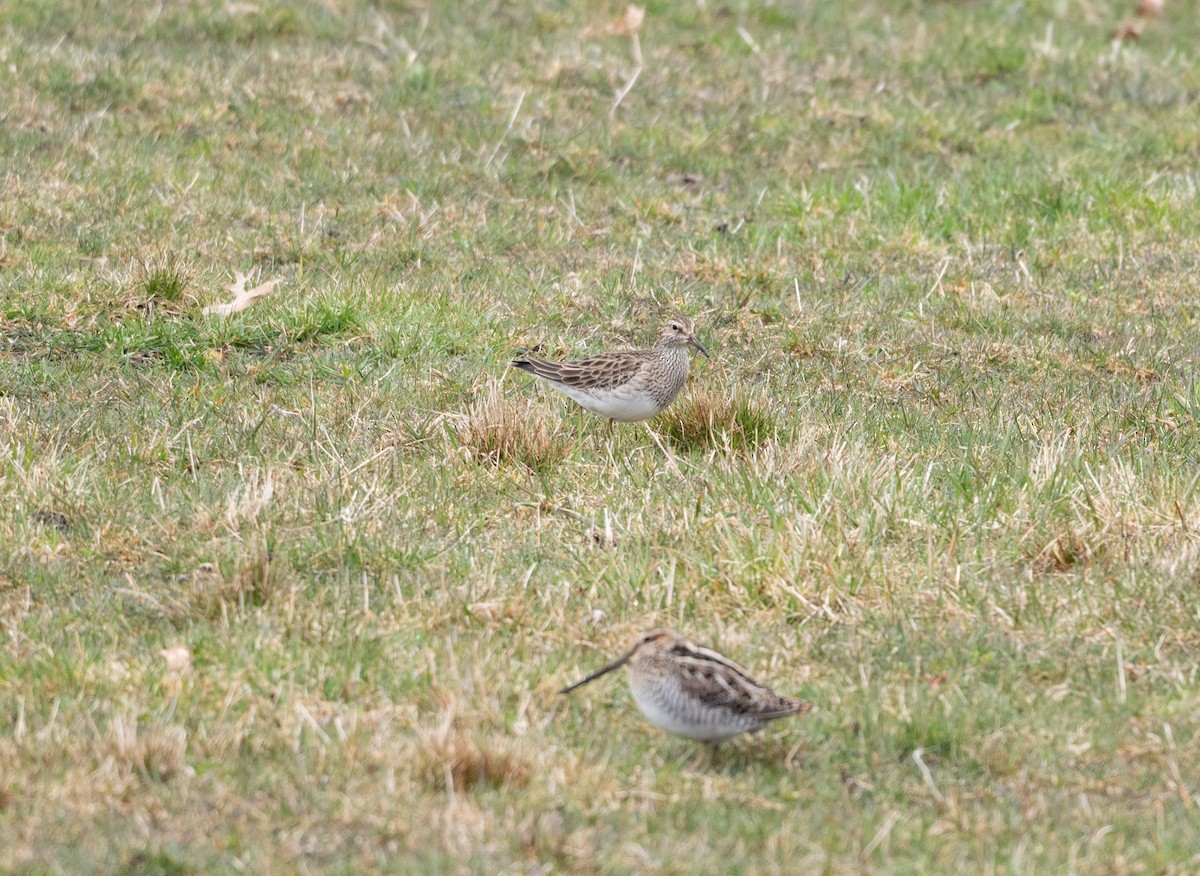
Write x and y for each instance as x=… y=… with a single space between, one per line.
x=679 y=332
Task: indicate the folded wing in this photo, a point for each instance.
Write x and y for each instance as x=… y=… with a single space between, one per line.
x=605 y=371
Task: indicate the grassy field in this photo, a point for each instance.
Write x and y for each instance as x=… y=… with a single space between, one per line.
x=294 y=590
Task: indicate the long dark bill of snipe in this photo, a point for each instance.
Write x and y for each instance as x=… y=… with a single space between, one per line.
x=617 y=664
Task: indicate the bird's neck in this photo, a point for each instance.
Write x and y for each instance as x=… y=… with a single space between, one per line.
x=671 y=351
x=675 y=360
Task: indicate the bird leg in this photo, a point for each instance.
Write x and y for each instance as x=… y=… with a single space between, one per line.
x=706 y=755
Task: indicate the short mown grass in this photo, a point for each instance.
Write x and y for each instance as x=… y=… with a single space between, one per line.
x=295 y=589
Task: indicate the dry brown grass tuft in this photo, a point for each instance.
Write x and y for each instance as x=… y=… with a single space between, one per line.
x=450 y=758
x=498 y=431
x=710 y=420
x=251 y=581
x=154 y=753
x=1064 y=552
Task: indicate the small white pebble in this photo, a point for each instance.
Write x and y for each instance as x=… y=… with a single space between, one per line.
x=178 y=659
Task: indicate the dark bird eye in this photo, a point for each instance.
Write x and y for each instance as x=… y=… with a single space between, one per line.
x=675 y=326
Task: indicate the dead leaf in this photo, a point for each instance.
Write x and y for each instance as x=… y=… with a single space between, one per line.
x=1150 y=8
x=1129 y=30
x=631 y=23
x=242 y=297
x=178 y=659
x=627 y=25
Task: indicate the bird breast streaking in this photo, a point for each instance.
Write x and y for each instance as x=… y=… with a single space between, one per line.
x=627 y=385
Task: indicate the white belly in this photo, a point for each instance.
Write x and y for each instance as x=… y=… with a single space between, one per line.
x=625 y=408
x=672 y=722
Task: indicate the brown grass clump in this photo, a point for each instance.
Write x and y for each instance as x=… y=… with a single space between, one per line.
x=251 y=581
x=1064 y=552
x=498 y=431
x=707 y=420
x=450 y=759
x=154 y=753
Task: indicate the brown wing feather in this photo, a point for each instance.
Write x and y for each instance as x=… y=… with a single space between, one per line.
x=596 y=372
x=721 y=682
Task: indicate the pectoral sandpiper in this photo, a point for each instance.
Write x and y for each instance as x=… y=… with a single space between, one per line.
x=695 y=692
x=628 y=385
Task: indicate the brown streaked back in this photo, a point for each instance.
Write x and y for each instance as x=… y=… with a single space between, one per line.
x=604 y=371
x=716 y=680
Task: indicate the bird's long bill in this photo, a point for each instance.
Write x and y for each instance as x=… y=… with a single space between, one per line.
x=699 y=346
x=617 y=664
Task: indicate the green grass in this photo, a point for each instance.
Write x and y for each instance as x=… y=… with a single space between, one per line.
x=294 y=590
